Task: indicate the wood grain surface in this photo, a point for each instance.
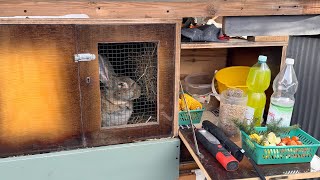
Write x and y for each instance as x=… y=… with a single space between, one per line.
x=158 y=8
x=88 y=38
x=231 y=44
x=45 y=101
x=39 y=94
x=202 y=60
x=177 y=78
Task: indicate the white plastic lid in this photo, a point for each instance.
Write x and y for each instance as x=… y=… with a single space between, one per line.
x=262 y=58
x=289 y=61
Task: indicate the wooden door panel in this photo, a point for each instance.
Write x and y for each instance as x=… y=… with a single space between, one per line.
x=89 y=37
x=39 y=90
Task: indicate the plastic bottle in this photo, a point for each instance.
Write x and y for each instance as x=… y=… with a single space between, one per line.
x=285 y=85
x=258 y=81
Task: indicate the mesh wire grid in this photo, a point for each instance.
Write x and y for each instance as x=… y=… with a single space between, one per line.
x=138 y=61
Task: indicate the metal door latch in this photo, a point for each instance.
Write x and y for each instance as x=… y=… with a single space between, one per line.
x=84 y=57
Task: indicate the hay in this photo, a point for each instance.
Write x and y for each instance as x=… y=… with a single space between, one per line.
x=142 y=119
x=146 y=73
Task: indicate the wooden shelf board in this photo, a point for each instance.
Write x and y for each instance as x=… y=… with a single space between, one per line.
x=230 y=44
x=213 y=170
x=115 y=9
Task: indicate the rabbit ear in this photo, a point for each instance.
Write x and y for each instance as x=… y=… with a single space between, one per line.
x=106 y=70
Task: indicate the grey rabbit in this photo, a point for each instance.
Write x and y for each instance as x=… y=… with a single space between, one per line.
x=116 y=98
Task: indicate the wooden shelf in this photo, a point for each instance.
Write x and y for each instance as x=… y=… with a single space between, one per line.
x=213 y=170
x=230 y=44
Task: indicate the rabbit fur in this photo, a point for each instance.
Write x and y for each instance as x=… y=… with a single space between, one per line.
x=116 y=98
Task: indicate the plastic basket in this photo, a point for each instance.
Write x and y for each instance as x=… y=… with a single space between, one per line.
x=195 y=115
x=281 y=154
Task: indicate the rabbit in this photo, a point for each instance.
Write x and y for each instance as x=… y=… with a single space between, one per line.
x=116 y=98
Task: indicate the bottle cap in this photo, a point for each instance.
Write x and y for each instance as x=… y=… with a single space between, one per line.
x=289 y=61
x=262 y=58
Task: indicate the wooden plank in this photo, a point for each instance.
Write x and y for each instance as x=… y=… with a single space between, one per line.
x=213 y=170
x=229 y=44
x=272 y=25
x=87 y=21
x=157 y=9
x=39 y=95
x=177 y=79
x=268 y=38
x=188 y=166
x=187 y=177
x=89 y=37
x=202 y=60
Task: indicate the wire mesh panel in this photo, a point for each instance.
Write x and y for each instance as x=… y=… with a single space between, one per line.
x=128 y=83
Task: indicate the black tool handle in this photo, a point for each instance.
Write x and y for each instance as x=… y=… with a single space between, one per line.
x=260 y=174
x=235 y=150
x=224 y=140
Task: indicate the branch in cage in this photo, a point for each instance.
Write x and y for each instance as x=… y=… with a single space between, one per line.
x=148 y=119
x=145 y=70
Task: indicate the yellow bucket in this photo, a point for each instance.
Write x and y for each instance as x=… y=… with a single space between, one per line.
x=232 y=77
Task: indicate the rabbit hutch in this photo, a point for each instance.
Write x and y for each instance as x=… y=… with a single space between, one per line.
x=89 y=89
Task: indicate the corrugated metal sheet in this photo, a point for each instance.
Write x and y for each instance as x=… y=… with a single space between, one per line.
x=306 y=52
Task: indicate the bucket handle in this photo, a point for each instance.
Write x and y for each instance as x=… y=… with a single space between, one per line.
x=214 y=91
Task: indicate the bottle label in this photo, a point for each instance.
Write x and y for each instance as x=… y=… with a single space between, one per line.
x=249 y=114
x=279 y=112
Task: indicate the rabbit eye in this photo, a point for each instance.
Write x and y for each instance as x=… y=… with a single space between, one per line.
x=123 y=85
x=120 y=85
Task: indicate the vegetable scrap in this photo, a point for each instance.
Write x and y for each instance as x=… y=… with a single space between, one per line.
x=270 y=137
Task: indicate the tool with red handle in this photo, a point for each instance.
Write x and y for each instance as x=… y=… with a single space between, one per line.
x=235 y=150
x=213 y=145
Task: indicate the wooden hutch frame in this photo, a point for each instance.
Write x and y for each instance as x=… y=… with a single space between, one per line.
x=159 y=11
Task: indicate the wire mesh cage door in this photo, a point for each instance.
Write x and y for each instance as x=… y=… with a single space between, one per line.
x=132 y=91
x=128 y=83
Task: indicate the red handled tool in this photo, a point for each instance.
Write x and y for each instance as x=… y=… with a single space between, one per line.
x=213 y=145
x=235 y=150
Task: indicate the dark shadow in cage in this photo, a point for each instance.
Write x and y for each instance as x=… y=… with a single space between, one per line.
x=128 y=82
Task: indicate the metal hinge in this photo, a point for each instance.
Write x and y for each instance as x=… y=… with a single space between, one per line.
x=84 y=57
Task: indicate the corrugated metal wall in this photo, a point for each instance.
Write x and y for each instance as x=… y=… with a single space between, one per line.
x=306 y=52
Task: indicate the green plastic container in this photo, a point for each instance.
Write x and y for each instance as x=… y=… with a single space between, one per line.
x=195 y=115
x=281 y=154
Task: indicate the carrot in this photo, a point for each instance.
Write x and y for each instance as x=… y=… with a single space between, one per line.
x=285 y=140
x=299 y=142
x=292 y=143
x=295 y=138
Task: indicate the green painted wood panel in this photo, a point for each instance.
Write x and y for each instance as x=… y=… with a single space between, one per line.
x=156 y=160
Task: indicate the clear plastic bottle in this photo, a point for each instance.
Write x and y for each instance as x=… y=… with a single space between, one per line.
x=285 y=85
x=258 y=81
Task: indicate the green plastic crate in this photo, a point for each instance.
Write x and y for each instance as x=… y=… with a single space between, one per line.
x=195 y=115
x=281 y=154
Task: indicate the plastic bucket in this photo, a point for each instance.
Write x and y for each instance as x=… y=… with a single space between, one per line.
x=230 y=77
